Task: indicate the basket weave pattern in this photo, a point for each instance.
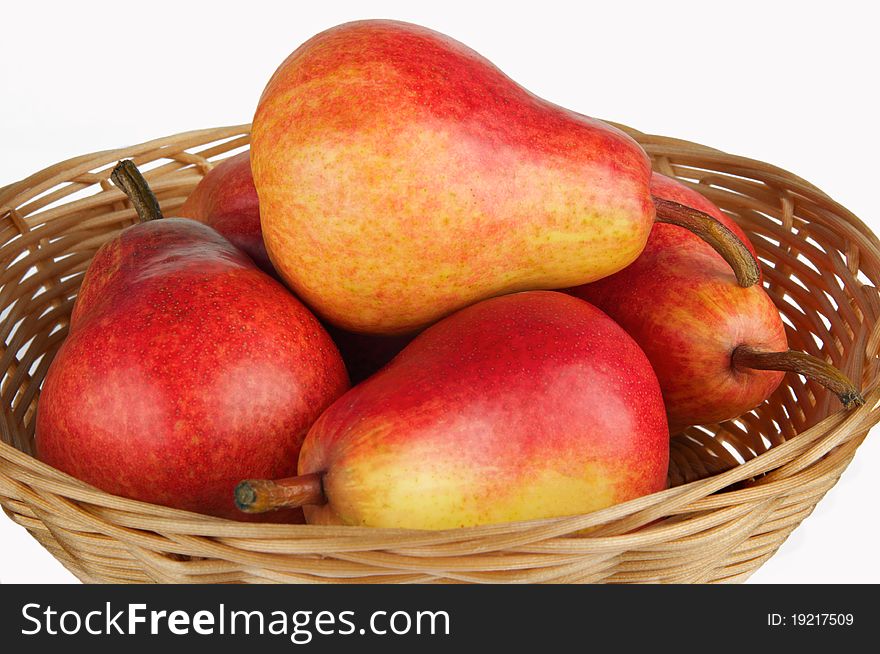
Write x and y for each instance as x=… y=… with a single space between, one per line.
x=737 y=490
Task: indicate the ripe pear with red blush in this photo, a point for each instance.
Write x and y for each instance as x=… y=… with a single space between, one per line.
x=402 y=176
x=185 y=368
x=719 y=350
x=530 y=405
x=226 y=200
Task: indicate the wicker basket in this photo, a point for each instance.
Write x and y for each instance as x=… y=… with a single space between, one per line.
x=737 y=489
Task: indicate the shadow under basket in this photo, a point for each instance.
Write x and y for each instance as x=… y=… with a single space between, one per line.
x=737 y=489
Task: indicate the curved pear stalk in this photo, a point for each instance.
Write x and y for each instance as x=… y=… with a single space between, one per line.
x=261 y=495
x=127 y=177
x=804 y=364
x=710 y=230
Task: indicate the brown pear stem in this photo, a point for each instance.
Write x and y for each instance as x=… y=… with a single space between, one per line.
x=127 y=177
x=708 y=228
x=803 y=364
x=261 y=495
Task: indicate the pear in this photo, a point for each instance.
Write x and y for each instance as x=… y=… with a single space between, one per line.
x=401 y=176
x=530 y=405
x=185 y=368
x=226 y=200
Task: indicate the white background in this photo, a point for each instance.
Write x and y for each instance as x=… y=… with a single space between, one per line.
x=791 y=83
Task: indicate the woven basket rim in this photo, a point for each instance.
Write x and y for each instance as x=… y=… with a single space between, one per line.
x=82 y=491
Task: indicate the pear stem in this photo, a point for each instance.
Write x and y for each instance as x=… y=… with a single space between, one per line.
x=803 y=364
x=709 y=229
x=127 y=177
x=262 y=495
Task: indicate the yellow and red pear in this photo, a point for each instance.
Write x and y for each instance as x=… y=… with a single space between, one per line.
x=530 y=405
x=402 y=176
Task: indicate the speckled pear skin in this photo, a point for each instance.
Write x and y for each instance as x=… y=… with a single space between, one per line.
x=226 y=200
x=682 y=305
x=186 y=369
x=529 y=405
x=402 y=176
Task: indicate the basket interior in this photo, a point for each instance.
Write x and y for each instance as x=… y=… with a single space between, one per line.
x=819 y=261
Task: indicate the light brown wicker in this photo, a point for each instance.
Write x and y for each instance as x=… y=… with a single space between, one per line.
x=738 y=489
